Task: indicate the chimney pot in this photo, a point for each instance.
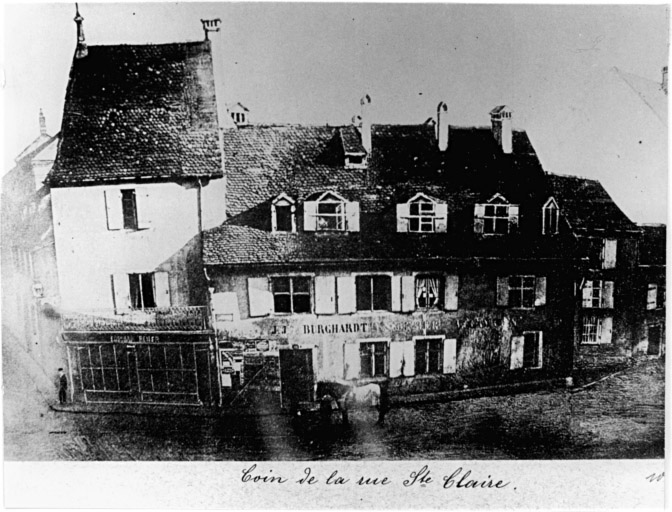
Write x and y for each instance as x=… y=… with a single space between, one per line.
x=366 y=123
x=43 y=123
x=442 y=126
x=500 y=118
x=81 y=51
x=213 y=25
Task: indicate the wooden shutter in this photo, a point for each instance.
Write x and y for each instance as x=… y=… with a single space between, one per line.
x=162 y=289
x=346 y=294
x=587 y=294
x=115 y=217
x=274 y=218
x=409 y=358
x=351 y=361
x=449 y=356
x=352 y=216
x=513 y=218
x=225 y=306
x=605 y=329
x=502 y=291
x=609 y=253
x=540 y=291
x=517 y=346
x=451 y=289
x=396 y=358
x=396 y=293
x=325 y=295
x=541 y=349
x=403 y=212
x=121 y=292
x=479 y=213
x=259 y=297
x=310 y=215
x=143 y=208
x=441 y=219
x=608 y=294
x=407 y=293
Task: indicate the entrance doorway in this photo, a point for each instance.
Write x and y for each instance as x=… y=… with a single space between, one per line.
x=655 y=333
x=297 y=378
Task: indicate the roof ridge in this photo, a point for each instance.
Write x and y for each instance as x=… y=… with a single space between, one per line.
x=126 y=45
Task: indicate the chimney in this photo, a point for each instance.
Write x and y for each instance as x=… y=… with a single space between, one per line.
x=501 y=128
x=81 y=50
x=442 y=126
x=664 y=84
x=366 y=123
x=43 y=124
x=213 y=33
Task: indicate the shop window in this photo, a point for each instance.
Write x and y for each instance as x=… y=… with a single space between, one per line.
x=283 y=214
x=373 y=358
x=596 y=330
x=597 y=293
x=428 y=355
x=429 y=291
x=373 y=293
x=652 y=296
x=291 y=294
x=550 y=218
x=523 y=292
x=497 y=217
x=527 y=350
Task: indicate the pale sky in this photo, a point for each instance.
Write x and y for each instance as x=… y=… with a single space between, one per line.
x=311 y=63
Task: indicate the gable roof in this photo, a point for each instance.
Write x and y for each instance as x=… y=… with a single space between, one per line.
x=139 y=111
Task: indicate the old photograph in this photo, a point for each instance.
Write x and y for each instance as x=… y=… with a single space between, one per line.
x=334 y=232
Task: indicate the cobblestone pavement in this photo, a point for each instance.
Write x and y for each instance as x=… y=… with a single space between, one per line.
x=620 y=417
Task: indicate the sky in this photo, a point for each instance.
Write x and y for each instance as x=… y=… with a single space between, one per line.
x=559 y=67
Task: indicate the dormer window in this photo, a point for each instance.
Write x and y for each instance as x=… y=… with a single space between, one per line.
x=355 y=161
x=239 y=114
x=550 y=218
x=496 y=217
x=283 y=214
x=239 y=117
x=422 y=214
x=330 y=212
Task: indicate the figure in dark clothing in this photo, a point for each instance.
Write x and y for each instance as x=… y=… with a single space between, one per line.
x=62 y=386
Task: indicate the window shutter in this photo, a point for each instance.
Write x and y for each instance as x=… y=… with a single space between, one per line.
x=609 y=254
x=115 y=218
x=351 y=361
x=403 y=212
x=407 y=293
x=352 y=216
x=608 y=294
x=345 y=286
x=517 y=344
x=225 y=307
x=513 y=218
x=587 y=294
x=274 y=219
x=441 y=220
x=540 y=291
x=502 y=291
x=162 y=289
x=449 y=356
x=143 y=210
x=605 y=331
x=259 y=297
x=121 y=292
x=541 y=349
x=309 y=215
x=396 y=358
x=479 y=213
x=325 y=295
x=409 y=358
x=396 y=293
x=450 y=298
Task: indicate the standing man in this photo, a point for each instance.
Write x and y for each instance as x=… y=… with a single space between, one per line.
x=62 y=386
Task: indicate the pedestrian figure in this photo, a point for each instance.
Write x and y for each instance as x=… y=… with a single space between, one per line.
x=62 y=386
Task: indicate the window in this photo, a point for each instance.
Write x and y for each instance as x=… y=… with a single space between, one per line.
x=353 y=161
x=142 y=290
x=608 y=253
x=129 y=209
x=597 y=293
x=521 y=291
x=595 y=329
x=330 y=216
x=428 y=355
x=238 y=117
x=291 y=294
x=527 y=350
x=373 y=293
x=429 y=291
x=551 y=216
x=497 y=217
x=283 y=214
x=652 y=296
x=422 y=214
x=373 y=359
x=330 y=212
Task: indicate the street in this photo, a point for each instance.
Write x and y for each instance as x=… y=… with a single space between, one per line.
x=620 y=417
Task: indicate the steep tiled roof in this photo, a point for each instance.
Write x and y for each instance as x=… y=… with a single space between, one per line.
x=652 y=245
x=352 y=140
x=139 y=111
x=587 y=205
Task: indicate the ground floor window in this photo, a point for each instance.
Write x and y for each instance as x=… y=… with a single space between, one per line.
x=595 y=329
x=532 y=349
x=428 y=355
x=373 y=359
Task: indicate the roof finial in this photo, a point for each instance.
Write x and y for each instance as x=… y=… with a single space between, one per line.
x=81 y=50
x=43 y=124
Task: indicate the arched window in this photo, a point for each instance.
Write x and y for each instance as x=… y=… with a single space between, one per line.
x=422 y=214
x=283 y=214
x=550 y=218
x=330 y=212
x=496 y=217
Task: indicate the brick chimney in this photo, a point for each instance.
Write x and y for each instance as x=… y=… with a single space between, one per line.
x=43 y=123
x=81 y=51
x=442 y=126
x=213 y=33
x=501 y=128
x=366 y=123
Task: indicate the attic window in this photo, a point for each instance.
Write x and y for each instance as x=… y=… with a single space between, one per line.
x=355 y=161
x=496 y=217
x=422 y=214
x=239 y=117
x=331 y=212
x=550 y=218
x=283 y=214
